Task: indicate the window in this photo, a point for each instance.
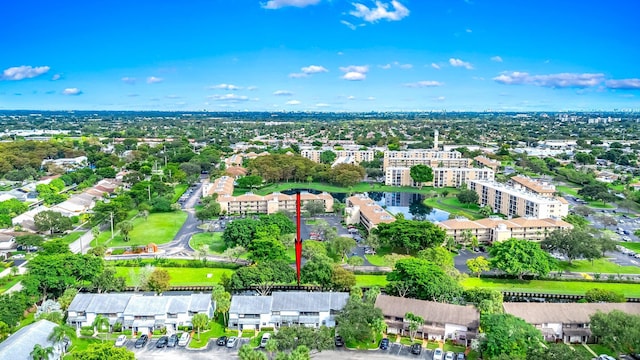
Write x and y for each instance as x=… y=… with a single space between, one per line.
x=172 y=316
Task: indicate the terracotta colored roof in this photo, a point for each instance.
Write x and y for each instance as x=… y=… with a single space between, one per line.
x=236 y=171
x=534 y=185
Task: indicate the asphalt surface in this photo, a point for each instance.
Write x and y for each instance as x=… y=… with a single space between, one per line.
x=180 y=244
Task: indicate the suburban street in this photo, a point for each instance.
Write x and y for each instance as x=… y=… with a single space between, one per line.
x=180 y=244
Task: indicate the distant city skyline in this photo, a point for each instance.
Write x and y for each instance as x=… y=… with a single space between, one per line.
x=320 y=55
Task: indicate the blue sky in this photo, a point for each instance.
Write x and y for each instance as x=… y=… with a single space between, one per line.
x=326 y=55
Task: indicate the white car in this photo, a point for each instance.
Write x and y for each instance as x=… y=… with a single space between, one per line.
x=438 y=354
x=232 y=342
x=449 y=355
x=121 y=340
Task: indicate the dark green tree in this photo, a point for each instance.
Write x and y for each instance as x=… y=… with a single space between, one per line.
x=421 y=174
x=520 y=257
x=505 y=334
x=422 y=279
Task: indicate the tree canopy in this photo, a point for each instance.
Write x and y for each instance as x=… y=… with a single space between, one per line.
x=520 y=257
x=617 y=330
x=573 y=243
x=422 y=279
x=421 y=174
x=410 y=235
x=505 y=334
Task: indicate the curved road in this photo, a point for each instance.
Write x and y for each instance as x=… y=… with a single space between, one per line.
x=180 y=243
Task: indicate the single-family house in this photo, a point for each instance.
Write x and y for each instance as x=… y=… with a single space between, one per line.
x=567 y=322
x=137 y=312
x=19 y=345
x=441 y=321
x=311 y=309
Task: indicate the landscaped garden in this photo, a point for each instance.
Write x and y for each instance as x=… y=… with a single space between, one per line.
x=599 y=266
x=455 y=207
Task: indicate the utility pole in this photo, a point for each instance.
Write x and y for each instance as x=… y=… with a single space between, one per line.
x=149 y=191
x=112 y=225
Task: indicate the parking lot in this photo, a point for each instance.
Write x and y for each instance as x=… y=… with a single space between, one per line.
x=211 y=351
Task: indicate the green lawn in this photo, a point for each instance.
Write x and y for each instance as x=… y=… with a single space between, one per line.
x=549 y=286
x=182 y=276
x=216 y=329
x=178 y=191
x=635 y=246
x=371 y=280
x=71 y=237
x=159 y=228
x=10 y=282
x=361 y=187
x=602 y=266
x=573 y=191
x=454 y=207
x=600 y=349
x=213 y=241
x=365 y=345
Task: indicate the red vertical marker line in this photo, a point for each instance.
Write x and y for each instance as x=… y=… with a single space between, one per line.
x=298 y=239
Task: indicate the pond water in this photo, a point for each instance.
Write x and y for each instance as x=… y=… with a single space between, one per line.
x=411 y=205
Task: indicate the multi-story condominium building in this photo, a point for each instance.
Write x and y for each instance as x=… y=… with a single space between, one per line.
x=221 y=186
x=431 y=158
x=510 y=201
x=141 y=314
x=312 y=309
x=362 y=210
x=537 y=187
x=566 y=322
x=485 y=161
x=442 y=176
x=250 y=203
x=495 y=229
x=441 y=321
x=342 y=156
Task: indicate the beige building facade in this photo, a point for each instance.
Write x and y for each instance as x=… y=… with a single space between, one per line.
x=347 y=156
x=511 y=201
x=492 y=230
x=433 y=158
x=363 y=210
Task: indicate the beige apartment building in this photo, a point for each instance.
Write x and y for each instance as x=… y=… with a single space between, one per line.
x=345 y=156
x=494 y=229
x=512 y=201
x=363 y=210
x=486 y=162
x=250 y=203
x=442 y=176
x=538 y=187
x=433 y=158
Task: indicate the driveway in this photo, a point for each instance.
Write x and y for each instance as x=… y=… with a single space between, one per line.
x=180 y=243
x=212 y=351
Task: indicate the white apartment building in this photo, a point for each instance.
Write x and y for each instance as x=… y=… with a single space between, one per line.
x=442 y=176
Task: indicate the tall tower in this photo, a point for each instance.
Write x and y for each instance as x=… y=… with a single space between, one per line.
x=435 y=140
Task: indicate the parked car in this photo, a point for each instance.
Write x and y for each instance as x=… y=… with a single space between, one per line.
x=173 y=340
x=338 y=341
x=449 y=356
x=232 y=342
x=222 y=341
x=384 y=344
x=162 y=342
x=460 y=356
x=438 y=354
x=121 y=340
x=142 y=341
x=416 y=349
x=184 y=339
x=265 y=338
x=605 y=357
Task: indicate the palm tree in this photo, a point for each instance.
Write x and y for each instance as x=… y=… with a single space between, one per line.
x=58 y=334
x=125 y=228
x=41 y=353
x=199 y=321
x=100 y=323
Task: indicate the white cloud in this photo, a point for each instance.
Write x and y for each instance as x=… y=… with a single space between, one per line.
x=623 y=84
x=298 y=75
x=55 y=77
x=348 y=24
x=351 y=97
x=322 y=105
x=405 y=66
x=435 y=66
x=423 y=84
x=354 y=76
x=128 y=80
x=282 y=93
x=173 y=97
x=371 y=98
x=460 y=63
x=71 y=91
x=496 y=59
x=380 y=12
x=314 y=69
x=229 y=97
x=293 y=102
x=562 y=80
x=223 y=86
x=469 y=31
x=440 y=98
x=252 y=88
x=385 y=67
x=363 y=69
x=23 y=72
x=277 y=4
x=153 y=80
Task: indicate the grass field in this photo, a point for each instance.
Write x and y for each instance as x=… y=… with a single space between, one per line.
x=361 y=187
x=178 y=191
x=635 y=246
x=574 y=192
x=182 y=276
x=213 y=241
x=71 y=237
x=159 y=228
x=550 y=287
x=371 y=280
x=454 y=207
x=602 y=266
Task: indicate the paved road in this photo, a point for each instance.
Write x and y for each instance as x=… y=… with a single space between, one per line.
x=180 y=244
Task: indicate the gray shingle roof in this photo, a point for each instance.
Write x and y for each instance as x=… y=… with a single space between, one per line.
x=430 y=311
x=100 y=303
x=200 y=302
x=308 y=301
x=250 y=304
x=147 y=305
x=19 y=345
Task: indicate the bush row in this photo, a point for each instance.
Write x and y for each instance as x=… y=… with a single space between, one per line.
x=161 y=262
